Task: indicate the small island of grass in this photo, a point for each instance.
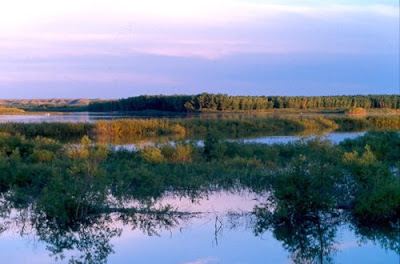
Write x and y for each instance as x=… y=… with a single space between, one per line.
x=356 y=111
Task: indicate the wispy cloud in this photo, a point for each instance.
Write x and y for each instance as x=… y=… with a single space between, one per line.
x=348 y=245
x=208 y=30
x=199 y=45
x=93 y=77
x=208 y=260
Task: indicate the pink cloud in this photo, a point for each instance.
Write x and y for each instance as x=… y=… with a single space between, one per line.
x=46 y=76
x=208 y=30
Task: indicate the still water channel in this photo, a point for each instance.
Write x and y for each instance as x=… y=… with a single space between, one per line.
x=219 y=228
x=82 y=117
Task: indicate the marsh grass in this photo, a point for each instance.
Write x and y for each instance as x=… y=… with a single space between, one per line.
x=125 y=131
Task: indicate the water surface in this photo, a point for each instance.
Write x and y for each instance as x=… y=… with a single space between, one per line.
x=75 y=117
x=221 y=229
x=89 y=117
x=334 y=137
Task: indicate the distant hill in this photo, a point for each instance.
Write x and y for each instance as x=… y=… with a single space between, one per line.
x=49 y=102
x=49 y=105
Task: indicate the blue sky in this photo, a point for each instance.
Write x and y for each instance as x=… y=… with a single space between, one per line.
x=114 y=49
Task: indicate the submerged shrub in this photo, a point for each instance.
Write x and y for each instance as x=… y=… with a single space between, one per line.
x=376 y=191
x=152 y=154
x=42 y=155
x=182 y=154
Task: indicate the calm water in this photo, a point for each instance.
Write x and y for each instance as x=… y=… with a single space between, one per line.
x=334 y=137
x=82 y=117
x=85 y=117
x=221 y=230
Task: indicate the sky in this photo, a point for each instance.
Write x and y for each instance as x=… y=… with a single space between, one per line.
x=121 y=48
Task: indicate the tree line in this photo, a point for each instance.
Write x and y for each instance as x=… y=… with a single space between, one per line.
x=224 y=102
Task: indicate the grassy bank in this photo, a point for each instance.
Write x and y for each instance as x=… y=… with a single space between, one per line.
x=10 y=111
x=47 y=105
x=61 y=131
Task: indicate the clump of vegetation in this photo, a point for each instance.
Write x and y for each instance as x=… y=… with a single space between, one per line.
x=376 y=189
x=356 y=111
x=136 y=129
x=152 y=154
x=179 y=153
x=318 y=124
x=60 y=131
x=369 y=122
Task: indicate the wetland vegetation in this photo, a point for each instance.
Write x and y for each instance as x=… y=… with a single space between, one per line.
x=128 y=130
x=71 y=194
x=71 y=187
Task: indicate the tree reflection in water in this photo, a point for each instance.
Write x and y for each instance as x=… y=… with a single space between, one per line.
x=309 y=238
x=387 y=235
x=87 y=240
